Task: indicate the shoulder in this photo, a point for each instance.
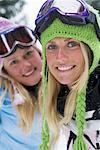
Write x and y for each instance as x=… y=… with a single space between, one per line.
x=94 y=83
x=93 y=91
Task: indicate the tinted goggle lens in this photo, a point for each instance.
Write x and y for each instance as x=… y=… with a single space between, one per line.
x=8 y=40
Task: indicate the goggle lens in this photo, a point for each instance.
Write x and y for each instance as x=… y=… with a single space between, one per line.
x=72 y=7
x=72 y=12
x=8 y=40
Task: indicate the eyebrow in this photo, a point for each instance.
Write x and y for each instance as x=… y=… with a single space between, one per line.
x=15 y=57
x=51 y=42
x=66 y=39
x=71 y=39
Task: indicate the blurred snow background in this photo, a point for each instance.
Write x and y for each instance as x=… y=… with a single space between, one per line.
x=31 y=10
x=28 y=13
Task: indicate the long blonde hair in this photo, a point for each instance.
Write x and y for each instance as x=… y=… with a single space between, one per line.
x=54 y=119
x=25 y=110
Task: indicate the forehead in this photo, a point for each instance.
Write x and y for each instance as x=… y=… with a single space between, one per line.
x=18 y=52
x=57 y=39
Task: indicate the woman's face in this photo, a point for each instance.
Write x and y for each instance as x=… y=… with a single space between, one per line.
x=24 y=65
x=65 y=60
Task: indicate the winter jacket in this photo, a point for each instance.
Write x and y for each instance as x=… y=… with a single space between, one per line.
x=11 y=136
x=68 y=132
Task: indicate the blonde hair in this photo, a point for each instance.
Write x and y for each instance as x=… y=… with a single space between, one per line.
x=25 y=110
x=54 y=119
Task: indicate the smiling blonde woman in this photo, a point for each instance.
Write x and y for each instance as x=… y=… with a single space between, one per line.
x=20 y=68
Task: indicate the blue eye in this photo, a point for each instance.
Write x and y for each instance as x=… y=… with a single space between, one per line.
x=72 y=44
x=51 y=47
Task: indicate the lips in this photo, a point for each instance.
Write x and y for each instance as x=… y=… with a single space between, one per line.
x=29 y=72
x=65 y=68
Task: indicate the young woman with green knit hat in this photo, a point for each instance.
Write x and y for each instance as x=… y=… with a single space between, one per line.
x=69 y=31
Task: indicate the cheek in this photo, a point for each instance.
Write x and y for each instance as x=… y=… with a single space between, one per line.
x=81 y=59
x=80 y=62
x=49 y=62
x=36 y=62
x=49 y=55
x=37 y=55
x=12 y=71
x=36 y=59
x=39 y=60
x=78 y=56
x=49 y=59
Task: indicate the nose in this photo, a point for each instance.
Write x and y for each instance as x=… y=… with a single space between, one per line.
x=26 y=65
x=61 y=54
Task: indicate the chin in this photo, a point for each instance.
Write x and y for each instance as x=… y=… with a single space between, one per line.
x=33 y=82
x=63 y=83
x=30 y=84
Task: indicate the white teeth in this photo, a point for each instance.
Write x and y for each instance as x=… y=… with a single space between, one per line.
x=29 y=73
x=64 y=68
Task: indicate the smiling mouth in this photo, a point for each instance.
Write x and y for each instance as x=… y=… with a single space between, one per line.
x=29 y=73
x=65 y=68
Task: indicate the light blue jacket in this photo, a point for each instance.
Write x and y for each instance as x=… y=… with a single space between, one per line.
x=11 y=136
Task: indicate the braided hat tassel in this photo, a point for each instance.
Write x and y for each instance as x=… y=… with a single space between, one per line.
x=79 y=143
x=45 y=137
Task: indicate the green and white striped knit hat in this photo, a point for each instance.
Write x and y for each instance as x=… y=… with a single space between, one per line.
x=86 y=34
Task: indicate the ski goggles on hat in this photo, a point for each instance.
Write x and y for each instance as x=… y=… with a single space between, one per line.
x=73 y=12
x=9 y=39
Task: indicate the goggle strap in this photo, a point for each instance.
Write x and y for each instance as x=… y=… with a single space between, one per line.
x=5 y=42
x=91 y=18
x=30 y=33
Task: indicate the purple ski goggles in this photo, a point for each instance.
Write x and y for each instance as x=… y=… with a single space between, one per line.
x=75 y=12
